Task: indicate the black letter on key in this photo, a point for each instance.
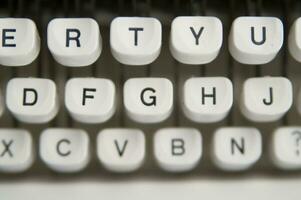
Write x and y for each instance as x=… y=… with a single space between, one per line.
x=7 y=148
x=196 y=35
x=270 y=101
x=177 y=147
x=153 y=98
x=35 y=97
x=61 y=153
x=240 y=147
x=6 y=37
x=263 y=36
x=75 y=38
x=122 y=149
x=136 y=34
x=213 y=95
x=85 y=96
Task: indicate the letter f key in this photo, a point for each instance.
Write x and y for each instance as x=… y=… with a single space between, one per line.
x=90 y=100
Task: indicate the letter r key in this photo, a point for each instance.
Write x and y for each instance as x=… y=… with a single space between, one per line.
x=74 y=42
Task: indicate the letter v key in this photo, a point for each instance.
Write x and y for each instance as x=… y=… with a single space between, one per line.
x=122 y=149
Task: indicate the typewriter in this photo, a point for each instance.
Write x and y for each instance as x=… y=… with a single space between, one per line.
x=150 y=99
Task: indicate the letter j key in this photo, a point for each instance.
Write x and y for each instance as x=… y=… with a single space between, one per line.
x=266 y=99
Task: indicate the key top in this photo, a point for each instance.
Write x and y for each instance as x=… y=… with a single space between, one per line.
x=207 y=99
x=255 y=40
x=20 y=41
x=135 y=40
x=32 y=100
x=266 y=99
x=148 y=100
x=90 y=100
x=16 y=150
x=294 y=40
x=121 y=150
x=196 y=40
x=236 y=149
x=74 y=42
x=65 y=150
x=285 y=150
x=178 y=149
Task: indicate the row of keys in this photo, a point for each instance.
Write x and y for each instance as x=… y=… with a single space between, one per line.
x=149 y=100
x=137 y=40
x=124 y=150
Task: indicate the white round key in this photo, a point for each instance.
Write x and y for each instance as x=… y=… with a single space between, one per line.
x=90 y=100
x=135 y=40
x=294 y=40
x=74 y=42
x=178 y=149
x=65 y=150
x=207 y=99
x=195 y=40
x=16 y=150
x=286 y=148
x=237 y=148
x=121 y=150
x=32 y=100
x=266 y=99
x=20 y=41
x=255 y=40
x=148 y=100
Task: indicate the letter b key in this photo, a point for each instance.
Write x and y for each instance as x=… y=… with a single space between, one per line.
x=178 y=149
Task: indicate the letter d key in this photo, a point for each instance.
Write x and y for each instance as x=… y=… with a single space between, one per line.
x=32 y=100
